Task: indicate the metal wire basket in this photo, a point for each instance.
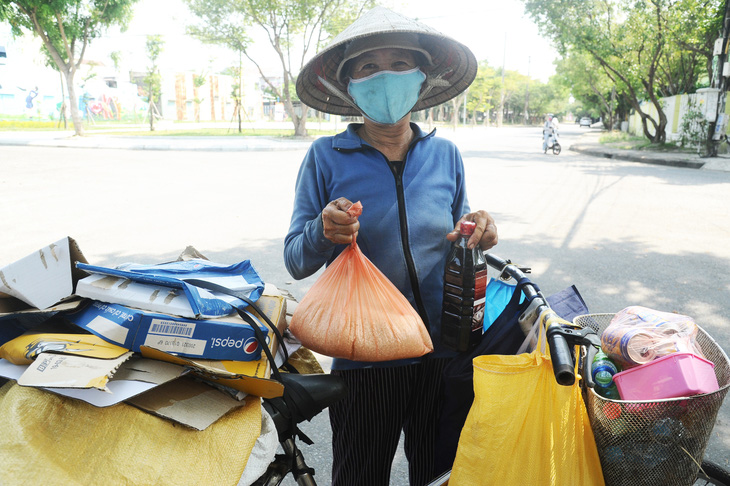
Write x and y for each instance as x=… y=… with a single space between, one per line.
x=659 y=441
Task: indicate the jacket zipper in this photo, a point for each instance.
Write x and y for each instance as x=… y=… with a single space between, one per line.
x=398 y=175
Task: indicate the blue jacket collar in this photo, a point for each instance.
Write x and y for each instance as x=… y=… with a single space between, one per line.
x=350 y=140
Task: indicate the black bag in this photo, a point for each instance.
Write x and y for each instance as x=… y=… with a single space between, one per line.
x=504 y=336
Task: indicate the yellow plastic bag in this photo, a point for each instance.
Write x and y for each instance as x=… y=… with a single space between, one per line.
x=524 y=428
x=353 y=311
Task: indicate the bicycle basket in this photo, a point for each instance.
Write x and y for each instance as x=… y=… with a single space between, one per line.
x=660 y=441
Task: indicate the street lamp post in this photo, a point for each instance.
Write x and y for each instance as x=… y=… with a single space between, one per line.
x=717 y=126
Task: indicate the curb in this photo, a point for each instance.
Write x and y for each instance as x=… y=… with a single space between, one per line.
x=162 y=144
x=635 y=156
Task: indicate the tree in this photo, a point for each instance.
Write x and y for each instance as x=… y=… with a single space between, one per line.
x=198 y=82
x=153 y=79
x=294 y=28
x=483 y=91
x=644 y=47
x=594 y=92
x=66 y=27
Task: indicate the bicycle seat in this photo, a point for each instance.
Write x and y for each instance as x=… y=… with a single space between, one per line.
x=304 y=397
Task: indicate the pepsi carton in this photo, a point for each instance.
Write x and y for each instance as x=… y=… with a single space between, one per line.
x=223 y=338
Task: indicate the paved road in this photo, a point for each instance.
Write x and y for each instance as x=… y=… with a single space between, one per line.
x=623 y=232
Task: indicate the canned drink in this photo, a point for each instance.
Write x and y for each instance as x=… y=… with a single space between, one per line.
x=665 y=322
x=630 y=345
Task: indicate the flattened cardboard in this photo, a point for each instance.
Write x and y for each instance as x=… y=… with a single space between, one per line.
x=252 y=377
x=68 y=371
x=164 y=288
x=156 y=298
x=25 y=348
x=46 y=276
x=222 y=338
x=134 y=376
x=187 y=401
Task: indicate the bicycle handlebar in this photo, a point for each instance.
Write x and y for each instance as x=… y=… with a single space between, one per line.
x=561 y=335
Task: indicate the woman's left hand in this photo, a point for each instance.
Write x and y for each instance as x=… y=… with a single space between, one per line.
x=485 y=233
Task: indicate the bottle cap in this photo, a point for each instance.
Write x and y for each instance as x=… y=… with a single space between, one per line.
x=467 y=227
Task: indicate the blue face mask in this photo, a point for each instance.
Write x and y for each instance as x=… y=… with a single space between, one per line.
x=387 y=96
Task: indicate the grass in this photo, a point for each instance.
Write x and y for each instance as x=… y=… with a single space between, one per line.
x=214 y=132
x=116 y=128
x=27 y=125
x=622 y=140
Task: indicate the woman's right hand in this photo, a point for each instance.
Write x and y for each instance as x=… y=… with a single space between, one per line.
x=339 y=227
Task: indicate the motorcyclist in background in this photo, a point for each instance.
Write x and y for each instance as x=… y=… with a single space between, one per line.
x=550 y=128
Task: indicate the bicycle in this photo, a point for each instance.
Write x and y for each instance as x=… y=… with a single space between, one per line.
x=316 y=392
x=563 y=340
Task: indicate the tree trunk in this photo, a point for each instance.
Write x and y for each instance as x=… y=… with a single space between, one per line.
x=300 y=127
x=73 y=104
x=455 y=115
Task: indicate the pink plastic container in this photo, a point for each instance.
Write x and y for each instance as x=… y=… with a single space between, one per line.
x=671 y=376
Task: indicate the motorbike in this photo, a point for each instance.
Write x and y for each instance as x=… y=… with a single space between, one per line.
x=552 y=142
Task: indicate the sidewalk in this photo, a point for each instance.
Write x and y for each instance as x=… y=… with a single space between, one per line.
x=212 y=143
x=588 y=144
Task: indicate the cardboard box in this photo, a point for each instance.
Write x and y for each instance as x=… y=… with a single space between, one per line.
x=46 y=276
x=228 y=338
x=252 y=377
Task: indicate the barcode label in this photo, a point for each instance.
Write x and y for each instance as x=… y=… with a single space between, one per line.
x=172 y=328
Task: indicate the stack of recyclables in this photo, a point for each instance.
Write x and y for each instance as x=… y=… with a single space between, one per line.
x=658 y=441
x=659 y=354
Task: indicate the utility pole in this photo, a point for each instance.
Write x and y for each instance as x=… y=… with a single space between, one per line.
x=466 y=95
x=718 y=126
x=500 y=115
x=527 y=94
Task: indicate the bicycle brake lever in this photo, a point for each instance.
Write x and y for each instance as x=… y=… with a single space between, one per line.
x=583 y=337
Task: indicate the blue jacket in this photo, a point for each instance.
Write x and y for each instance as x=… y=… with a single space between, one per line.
x=404 y=221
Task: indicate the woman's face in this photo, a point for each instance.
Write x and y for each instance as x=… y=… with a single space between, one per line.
x=387 y=59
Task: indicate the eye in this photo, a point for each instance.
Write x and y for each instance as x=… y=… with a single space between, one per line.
x=400 y=65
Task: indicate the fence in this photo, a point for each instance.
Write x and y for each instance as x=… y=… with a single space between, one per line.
x=676 y=108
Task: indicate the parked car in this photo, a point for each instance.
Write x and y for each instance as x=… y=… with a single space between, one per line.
x=585 y=122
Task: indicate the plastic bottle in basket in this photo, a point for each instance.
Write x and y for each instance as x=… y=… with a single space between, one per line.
x=465 y=284
x=603 y=371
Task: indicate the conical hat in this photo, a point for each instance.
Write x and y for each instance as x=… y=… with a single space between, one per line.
x=453 y=66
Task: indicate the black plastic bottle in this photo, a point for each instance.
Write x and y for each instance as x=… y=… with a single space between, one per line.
x=465 y=283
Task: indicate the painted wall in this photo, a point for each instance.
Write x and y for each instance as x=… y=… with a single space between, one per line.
x=675 y=107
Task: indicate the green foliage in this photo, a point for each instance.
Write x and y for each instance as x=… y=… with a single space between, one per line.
x=116 y=57
x=693 y=128
x=153 y=80
x=306 y=24
x=485 y=94
x=65 y=27
x=646 y=49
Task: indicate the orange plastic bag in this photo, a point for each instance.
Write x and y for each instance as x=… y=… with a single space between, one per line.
x=353 y=311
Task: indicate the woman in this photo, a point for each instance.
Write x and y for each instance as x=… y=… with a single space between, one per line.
x=412 y=187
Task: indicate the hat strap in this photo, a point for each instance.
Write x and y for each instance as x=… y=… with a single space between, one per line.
x=337 y=92
x=434 y=82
